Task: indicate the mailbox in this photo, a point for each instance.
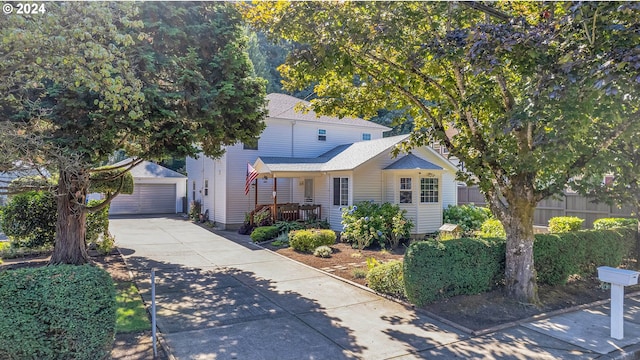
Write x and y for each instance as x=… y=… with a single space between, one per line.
x=617 y=276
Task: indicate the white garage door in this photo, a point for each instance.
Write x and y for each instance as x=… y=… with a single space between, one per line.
x=146 y=199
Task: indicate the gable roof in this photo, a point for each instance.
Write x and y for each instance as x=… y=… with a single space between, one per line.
x=147 y=169
x=412 y=162
x=343 y=157
x=282 y=106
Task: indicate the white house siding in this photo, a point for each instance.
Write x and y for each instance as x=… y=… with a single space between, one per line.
x=305 y=137
x=369 y=179
x=449 y=190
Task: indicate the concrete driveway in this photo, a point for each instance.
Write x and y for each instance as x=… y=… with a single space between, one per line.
x=221 y=297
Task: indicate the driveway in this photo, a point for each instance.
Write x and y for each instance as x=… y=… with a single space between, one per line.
x=221 y=297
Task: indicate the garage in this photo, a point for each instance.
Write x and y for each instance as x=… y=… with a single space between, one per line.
x=156 y=190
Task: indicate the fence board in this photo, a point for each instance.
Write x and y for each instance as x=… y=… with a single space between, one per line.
x=570 y=204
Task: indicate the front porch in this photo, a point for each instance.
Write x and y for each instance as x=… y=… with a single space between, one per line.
x=288 y=212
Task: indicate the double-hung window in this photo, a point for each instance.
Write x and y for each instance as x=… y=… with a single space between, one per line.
x=406 y=193
x=341 y=191
x=429 y=190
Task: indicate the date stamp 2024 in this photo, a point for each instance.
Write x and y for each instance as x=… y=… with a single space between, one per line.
x=23 y=8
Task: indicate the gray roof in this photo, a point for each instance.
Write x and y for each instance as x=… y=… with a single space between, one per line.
x=283 y=107
x=343 y=157
x=147 y=169
x=412 y=162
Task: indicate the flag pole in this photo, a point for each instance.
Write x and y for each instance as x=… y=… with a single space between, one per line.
x=255 y=202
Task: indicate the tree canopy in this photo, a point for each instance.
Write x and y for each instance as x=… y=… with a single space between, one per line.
x=532 y=91
x=153 y=79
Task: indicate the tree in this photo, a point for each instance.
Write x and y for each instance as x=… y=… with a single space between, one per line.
x=534 y=90
x=622 y=160
x=83 y=80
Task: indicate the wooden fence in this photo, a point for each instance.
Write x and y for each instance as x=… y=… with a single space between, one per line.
x=569 y=205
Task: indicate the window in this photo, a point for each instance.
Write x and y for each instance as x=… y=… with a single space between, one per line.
x=249 y=146
x=366 y=136
x=428 y=190
x=322 y=135
x=406 y=194
x=308 y=190
x=340 y=191
x=193 y=193
x=206 y=188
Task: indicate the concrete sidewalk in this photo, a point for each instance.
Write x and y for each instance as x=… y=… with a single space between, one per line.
x=220 y=297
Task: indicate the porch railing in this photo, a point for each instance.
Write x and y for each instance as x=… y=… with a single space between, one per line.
x=289 y=212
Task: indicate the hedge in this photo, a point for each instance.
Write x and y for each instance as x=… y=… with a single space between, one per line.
x=562 y=224
x=56 y=312
x=557 y=256
x=264 y=233
x=610 y=223
x=309 y=240
x=435 y=270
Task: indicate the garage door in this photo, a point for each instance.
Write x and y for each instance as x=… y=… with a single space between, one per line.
x=146 y=199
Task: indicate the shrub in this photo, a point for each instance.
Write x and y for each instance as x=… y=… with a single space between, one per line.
x=97 y=222
x=309 y=240
x=557 y=256
x=434 y=270
x=56 y=312
x=492 y=228
x=264 y=233
x=29 y=219
x=387 y=278
x=322 y=251
x=286 y=226
x=195 y=209
x=562 y=224
x=610 y=223
x=106 y=245
x=367 y=222
x=469 y=217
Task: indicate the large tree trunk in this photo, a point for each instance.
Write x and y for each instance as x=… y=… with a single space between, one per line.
x=520 y=274
x=70 y=246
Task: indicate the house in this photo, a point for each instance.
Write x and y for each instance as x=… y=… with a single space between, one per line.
x=156 y=190
x=310 y=166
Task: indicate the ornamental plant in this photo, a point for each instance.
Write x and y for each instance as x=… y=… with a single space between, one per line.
x=469 y=216
x=366 y=223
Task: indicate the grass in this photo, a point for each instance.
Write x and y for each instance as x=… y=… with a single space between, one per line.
x=131 y=315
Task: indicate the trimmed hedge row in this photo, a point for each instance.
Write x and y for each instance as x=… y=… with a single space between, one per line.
x=557 y=256
x=56 y=312
x=435 y=270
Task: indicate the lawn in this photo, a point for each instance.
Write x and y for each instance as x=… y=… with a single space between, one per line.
x=131 y=315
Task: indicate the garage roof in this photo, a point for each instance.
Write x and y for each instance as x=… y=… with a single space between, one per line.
x=147 y=169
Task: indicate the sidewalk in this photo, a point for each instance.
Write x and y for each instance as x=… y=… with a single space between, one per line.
x=220 y=297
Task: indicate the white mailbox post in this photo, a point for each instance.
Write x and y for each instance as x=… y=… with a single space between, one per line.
x=619 y=278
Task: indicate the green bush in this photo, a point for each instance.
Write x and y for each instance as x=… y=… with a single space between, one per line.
x=387 y=278
x=561 y=224
x=29 y=219
x=610 y=223
x=322 y=251
x=469 y=217
x=492 y=228
x=97 y=222
x=287 y=226
x=309 y=240
x=367 y=222
x=434 y=270
x=264 y=233
x=557 y=256
x=56 y=312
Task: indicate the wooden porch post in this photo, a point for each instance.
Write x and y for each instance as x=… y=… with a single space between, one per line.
x=255 y=201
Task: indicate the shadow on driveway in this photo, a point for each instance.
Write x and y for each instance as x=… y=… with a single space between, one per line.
x=227 y=313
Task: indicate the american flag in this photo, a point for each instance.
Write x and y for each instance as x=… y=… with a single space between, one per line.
x=252 y=174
